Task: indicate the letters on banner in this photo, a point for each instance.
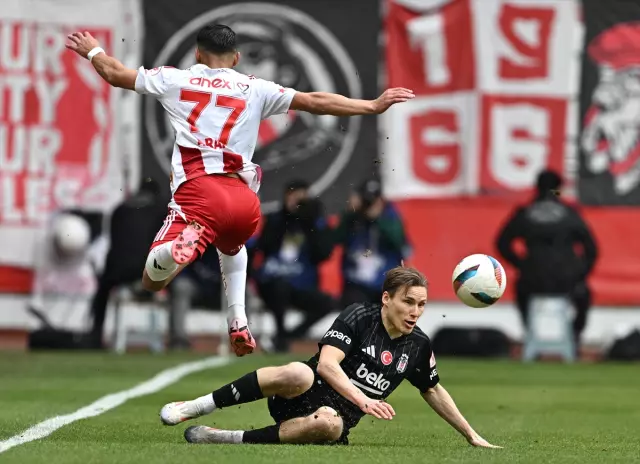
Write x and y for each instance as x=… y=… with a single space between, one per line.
x=496 y=83
x=59 y=121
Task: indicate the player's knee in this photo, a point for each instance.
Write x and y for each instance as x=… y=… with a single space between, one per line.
x=152 y=285
x=231 y=251
x=296 y=378
x=327 y=423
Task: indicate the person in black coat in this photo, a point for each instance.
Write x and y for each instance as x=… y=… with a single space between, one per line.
x=134 y=224
x=294 y=241
x=551 y=230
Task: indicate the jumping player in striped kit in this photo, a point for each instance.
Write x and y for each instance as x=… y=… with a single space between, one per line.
x=216 y=114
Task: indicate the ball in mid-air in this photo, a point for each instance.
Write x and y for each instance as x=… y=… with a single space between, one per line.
x=479 y=280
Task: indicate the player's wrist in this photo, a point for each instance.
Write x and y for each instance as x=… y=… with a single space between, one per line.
x=94 y=51
x=362 y=400
x=372 y=107
x=470 y=434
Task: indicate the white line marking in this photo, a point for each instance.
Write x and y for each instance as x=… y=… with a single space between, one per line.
x=104 y=404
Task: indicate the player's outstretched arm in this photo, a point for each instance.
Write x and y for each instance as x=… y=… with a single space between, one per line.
x=109 y=68
x=442 y=403
x=339 y=105
x=330 y=370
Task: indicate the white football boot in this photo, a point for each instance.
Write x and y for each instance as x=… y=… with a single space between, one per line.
x=178 y=412
x=200 y=434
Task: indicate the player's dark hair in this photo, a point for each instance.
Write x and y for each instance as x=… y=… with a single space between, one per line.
x=217 y=39
x=402 y=277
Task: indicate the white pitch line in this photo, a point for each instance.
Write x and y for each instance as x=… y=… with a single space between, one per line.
x=104 y=404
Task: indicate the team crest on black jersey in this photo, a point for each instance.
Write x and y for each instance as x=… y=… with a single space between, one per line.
x=402 y=363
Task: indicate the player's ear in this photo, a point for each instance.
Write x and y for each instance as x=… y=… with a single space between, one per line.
x=386 y=298
x=198 y=57
x=236 y=60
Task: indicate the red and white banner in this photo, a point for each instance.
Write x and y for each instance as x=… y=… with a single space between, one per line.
x=496 y=83
x=66 y=137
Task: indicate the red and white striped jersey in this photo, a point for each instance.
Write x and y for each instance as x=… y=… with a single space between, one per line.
x=216 y=115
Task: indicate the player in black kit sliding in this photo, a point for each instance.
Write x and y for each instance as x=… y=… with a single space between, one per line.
x=363 y=357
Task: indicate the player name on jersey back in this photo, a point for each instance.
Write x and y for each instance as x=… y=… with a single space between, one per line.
x=216 y=116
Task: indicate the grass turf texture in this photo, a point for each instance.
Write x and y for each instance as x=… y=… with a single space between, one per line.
x=549 y=413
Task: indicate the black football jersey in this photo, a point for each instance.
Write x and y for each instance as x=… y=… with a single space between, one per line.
x=373 y=361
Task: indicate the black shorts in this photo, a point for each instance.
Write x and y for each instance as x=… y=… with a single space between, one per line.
x=320 y=394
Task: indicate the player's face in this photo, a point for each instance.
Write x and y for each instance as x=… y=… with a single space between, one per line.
x=405 y=307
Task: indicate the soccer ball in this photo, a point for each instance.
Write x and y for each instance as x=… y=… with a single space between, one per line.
x=479 y=280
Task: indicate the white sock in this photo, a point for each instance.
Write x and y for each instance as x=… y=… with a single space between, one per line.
x=234 y=275
x=206 y=404
x=236 y=312
x=160 y=264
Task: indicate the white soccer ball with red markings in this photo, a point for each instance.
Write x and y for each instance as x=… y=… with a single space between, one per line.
x=479 y=280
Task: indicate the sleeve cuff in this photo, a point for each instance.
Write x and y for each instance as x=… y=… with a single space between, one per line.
x=139 y=85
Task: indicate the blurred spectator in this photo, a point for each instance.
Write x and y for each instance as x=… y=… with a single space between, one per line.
x=293 y=242
x=374 y=241
x=550 y=229
x=134 y=224
x=199 y=284
x=63 y=267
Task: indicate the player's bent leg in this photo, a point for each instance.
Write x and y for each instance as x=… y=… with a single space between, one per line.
x=322 y=426
x=184 y=247
x=157 y=285
x=166 y=260
x=287 y=381
x=233 y=266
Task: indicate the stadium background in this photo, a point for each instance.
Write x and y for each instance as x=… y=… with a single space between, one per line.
x=494 y=105
x=504 y=88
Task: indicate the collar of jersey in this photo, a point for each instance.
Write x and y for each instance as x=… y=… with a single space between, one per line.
x=204 y=66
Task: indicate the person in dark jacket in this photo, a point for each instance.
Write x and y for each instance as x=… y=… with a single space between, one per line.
x=374 y=241
x=550 y=229
x=133 y=225
x=199 y=284
x=294 y=242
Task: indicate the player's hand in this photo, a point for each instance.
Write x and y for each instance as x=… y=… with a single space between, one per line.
x=391 y=97
x=379 y=409
x=81 y=43
x=480 y=442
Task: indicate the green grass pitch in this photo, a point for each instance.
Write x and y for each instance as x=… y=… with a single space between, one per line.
x=540 y=413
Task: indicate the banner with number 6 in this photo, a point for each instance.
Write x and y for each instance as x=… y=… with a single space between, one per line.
x=496 y=83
